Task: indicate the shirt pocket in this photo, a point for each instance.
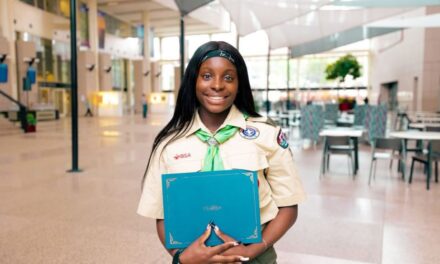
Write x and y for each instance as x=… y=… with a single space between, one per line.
x=185 y=166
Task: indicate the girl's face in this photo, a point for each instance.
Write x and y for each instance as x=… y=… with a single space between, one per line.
x=217 y=85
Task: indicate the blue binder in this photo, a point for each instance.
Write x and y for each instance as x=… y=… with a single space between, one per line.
x=192 y=200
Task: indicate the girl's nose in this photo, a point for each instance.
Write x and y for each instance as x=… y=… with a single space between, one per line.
x=218 y=84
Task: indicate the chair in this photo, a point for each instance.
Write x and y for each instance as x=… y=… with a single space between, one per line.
x=331 y=112
x=312 y=120
x=433 y=155
x=377 y=121
x=386 y=148
x=338 y=146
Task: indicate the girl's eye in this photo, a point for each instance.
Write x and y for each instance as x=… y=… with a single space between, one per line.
x=229 y=78
x=206 y=76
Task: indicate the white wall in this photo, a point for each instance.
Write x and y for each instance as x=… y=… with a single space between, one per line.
x=398 y=57
x=431 y=67
x=404 y=56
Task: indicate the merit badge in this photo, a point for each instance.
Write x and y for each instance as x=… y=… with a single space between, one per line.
x=249 y=132
x=282 y=140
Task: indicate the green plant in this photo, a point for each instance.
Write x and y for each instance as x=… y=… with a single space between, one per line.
x=31 y=119
x=346 y=65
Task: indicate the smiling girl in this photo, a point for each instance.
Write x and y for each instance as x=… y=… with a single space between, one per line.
x=215 y=114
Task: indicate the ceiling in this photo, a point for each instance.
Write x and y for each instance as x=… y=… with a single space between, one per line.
x=164 y=16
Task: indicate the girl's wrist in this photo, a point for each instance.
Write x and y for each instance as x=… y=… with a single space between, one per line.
x=264 y=243
x=254 y=250
x=176 y=256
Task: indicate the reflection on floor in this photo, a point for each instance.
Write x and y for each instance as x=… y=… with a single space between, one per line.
x=50 y=216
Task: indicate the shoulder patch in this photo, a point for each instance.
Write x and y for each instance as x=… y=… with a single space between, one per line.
x=263 y=119
x=282 y=140
x=250 y=132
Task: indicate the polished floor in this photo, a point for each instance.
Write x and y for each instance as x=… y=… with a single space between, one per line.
x=48 y=215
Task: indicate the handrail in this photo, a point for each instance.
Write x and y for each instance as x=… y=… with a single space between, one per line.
x=22 y=112
x=12 y=99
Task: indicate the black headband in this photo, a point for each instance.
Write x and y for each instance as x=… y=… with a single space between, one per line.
x=219 y=53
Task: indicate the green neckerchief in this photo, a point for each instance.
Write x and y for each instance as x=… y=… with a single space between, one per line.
x=213 y=160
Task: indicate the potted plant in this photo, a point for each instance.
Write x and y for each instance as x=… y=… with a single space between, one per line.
x=346 y=65
x=31 y=123
x=340 y=69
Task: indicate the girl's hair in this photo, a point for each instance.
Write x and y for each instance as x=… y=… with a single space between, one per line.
x=187 y=103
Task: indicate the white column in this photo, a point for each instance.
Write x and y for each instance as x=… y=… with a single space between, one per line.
x=146 y=21
x=93 y=38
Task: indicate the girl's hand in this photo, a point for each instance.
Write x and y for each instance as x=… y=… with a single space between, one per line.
x=199 y=253
x=240 y=250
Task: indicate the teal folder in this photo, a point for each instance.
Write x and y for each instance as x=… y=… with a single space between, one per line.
x=229 y=198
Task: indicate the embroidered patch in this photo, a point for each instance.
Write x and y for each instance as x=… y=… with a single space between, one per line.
x=282 y=140
x=183 y=155
x=249 y=132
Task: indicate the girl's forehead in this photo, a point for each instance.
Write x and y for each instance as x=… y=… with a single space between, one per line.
x=217 y=63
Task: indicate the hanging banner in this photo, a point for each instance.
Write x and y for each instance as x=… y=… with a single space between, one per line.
x=27 y=85
x=3 y=73
x=31 y=75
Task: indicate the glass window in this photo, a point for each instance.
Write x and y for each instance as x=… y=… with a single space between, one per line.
x=84 y=25
x=51 y=6
x=194 y=42
x=156 y=48
x=230 y=38
x=167 y=79
x=254 y=44
x=30 y=2
x=170 y=48
x=64 y=6
x=278 y=72
x=118 y=74
x=257 y=70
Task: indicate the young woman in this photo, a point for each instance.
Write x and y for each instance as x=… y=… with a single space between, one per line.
x=215 y=102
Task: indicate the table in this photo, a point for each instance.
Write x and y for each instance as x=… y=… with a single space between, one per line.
x=414 y=135
x=423 y=126
x=417 y=135
x=353 y=133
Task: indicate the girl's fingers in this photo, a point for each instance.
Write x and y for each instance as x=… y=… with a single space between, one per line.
x=228 y=259
x=205 y=235
x=223 y=247
x=222 y=235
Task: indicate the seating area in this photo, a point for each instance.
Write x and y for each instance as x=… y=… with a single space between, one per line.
x=371 y=126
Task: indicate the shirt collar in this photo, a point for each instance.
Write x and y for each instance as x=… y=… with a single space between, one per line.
x=234 y=118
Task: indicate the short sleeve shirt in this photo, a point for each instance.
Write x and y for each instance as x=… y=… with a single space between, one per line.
x=257 y=146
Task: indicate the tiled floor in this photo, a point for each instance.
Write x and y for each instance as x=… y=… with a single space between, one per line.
x=48 y=215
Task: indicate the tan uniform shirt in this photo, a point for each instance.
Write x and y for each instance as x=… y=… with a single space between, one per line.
x=258 y=150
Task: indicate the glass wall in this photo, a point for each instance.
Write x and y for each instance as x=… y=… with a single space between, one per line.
x=118 y=74
x=297 y=80
x=53 y=58
x=62 y=8
x=57 y=7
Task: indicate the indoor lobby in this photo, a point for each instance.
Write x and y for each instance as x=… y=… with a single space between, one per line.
x=376 y=203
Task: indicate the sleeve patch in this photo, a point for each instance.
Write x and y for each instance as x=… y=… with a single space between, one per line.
x=282 y=140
